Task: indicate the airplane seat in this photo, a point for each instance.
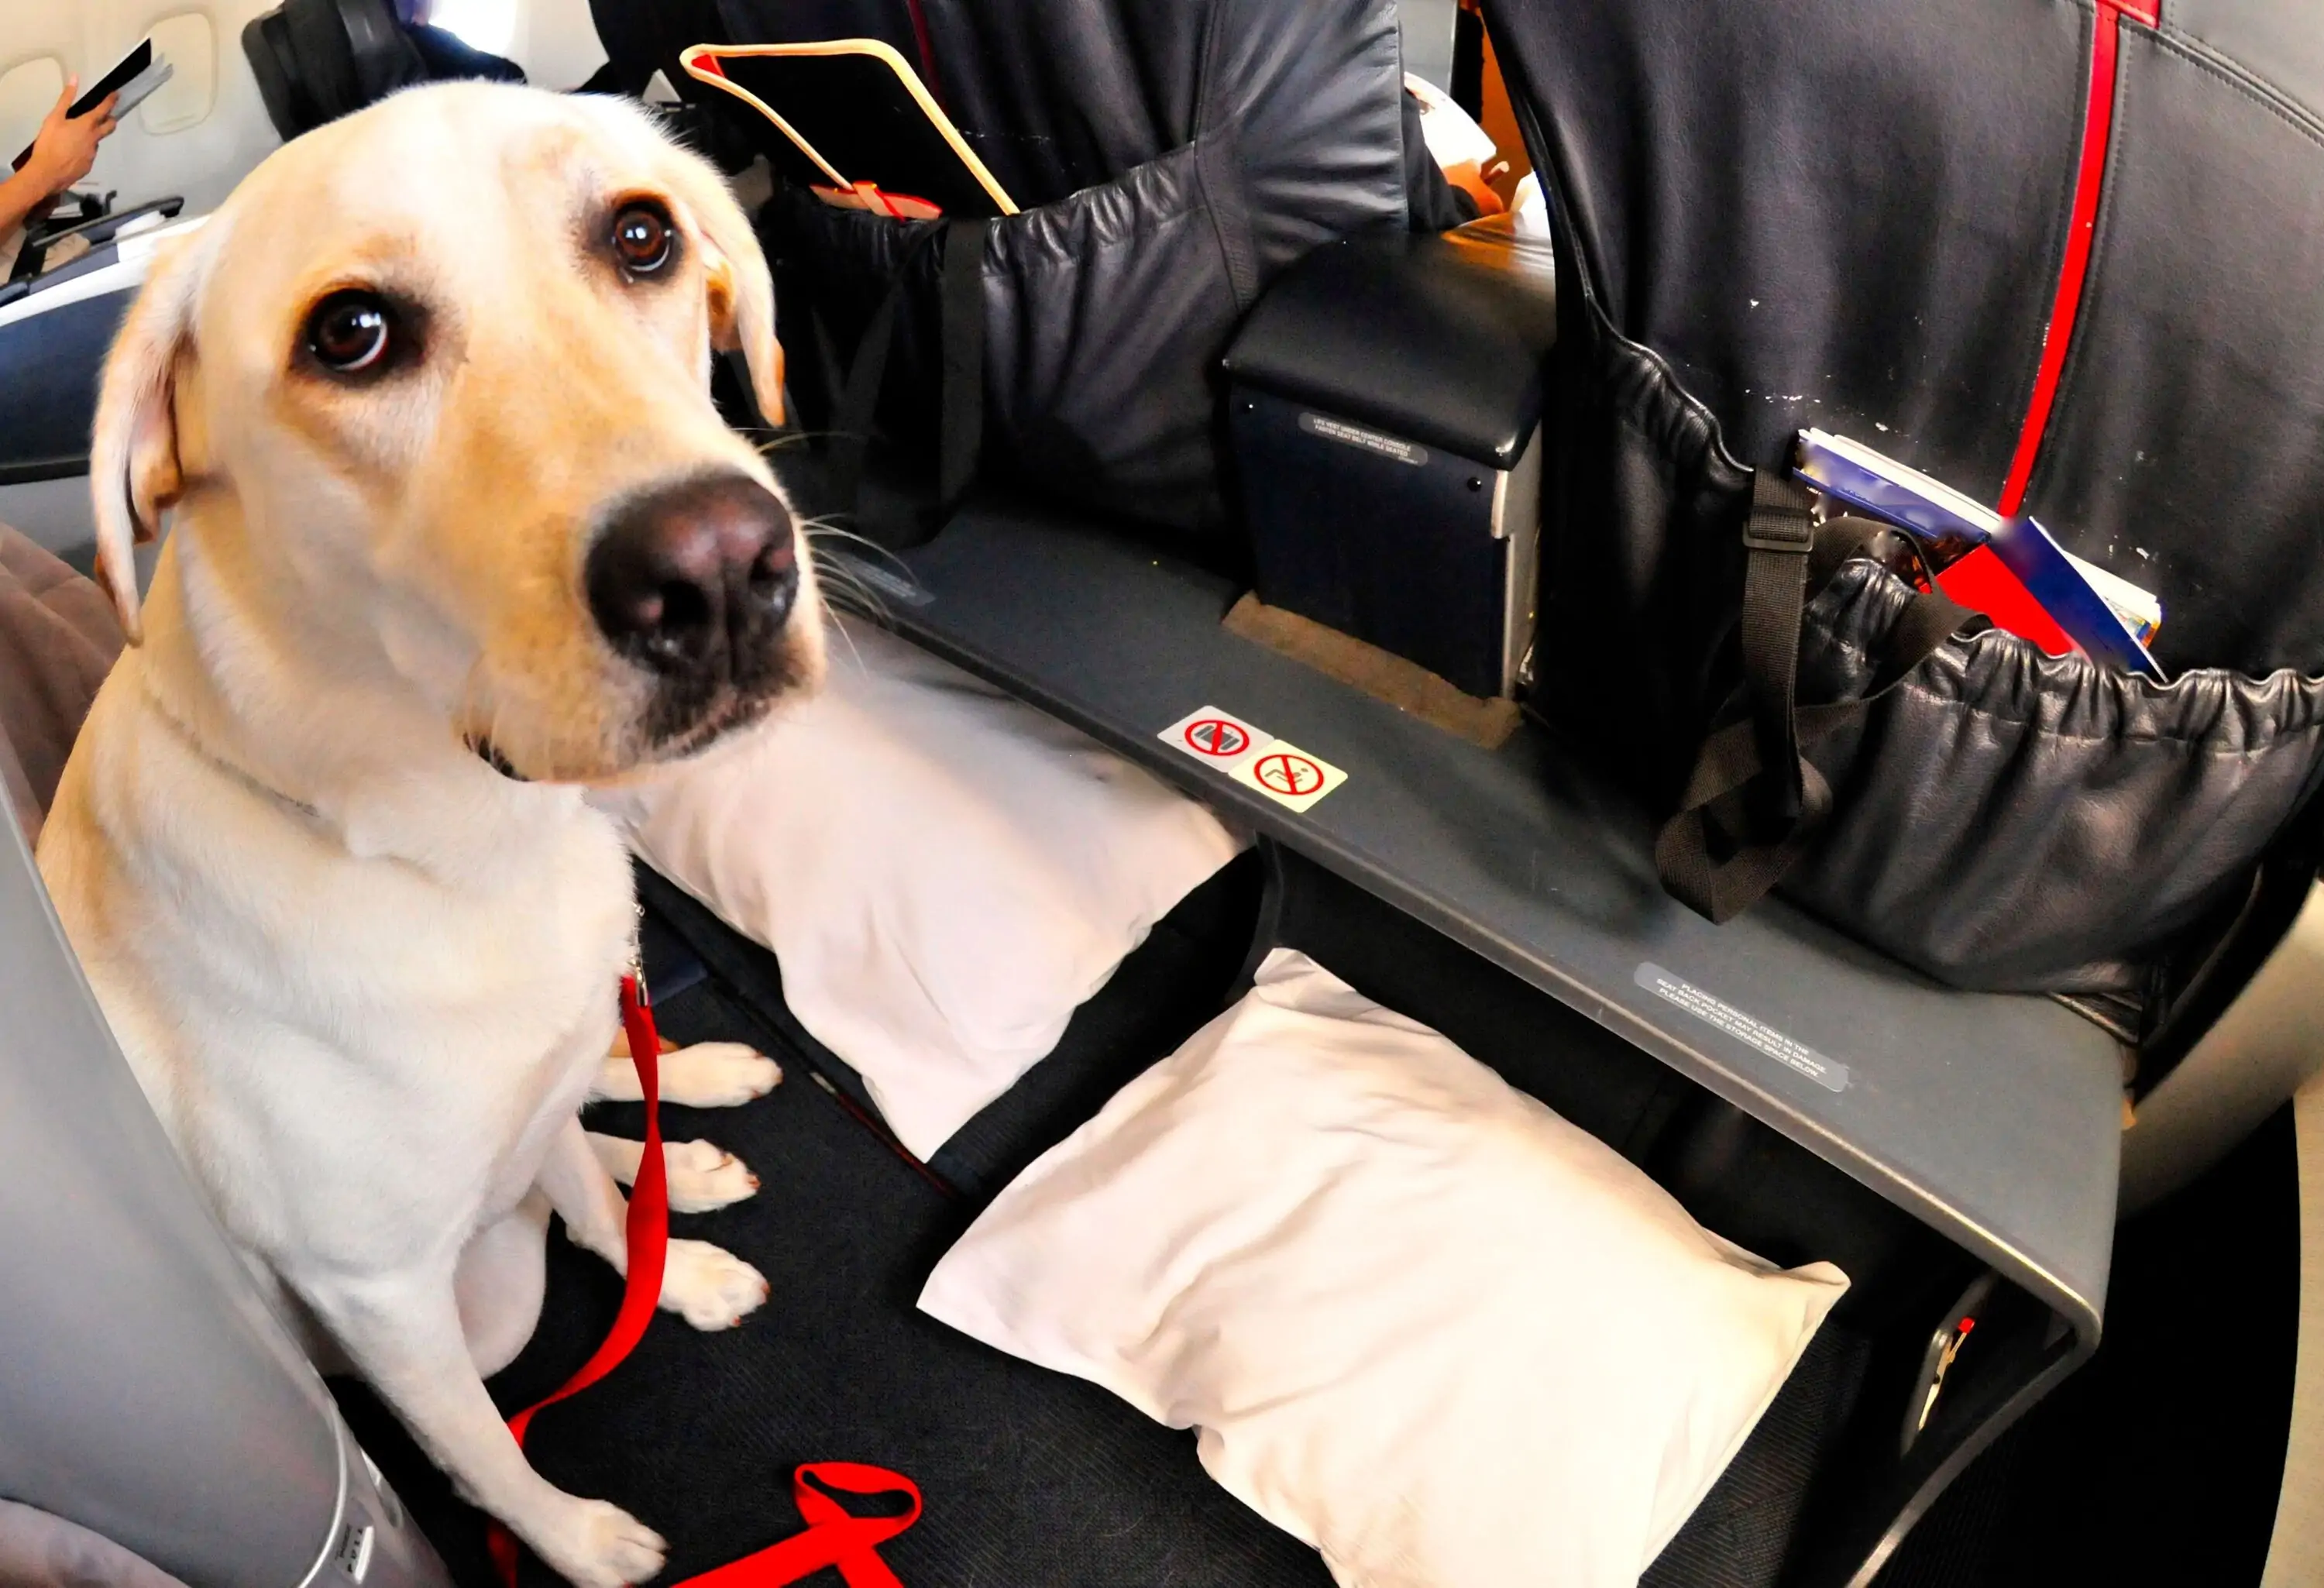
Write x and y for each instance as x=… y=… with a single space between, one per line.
x=2260 y=1051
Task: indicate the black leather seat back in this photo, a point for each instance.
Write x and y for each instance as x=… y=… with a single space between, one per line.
x=317 y=60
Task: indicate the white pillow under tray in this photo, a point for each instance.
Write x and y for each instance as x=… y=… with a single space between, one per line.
x=1422 y=1323
x=944 y=873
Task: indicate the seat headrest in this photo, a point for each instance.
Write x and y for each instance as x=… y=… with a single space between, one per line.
x=317 y=60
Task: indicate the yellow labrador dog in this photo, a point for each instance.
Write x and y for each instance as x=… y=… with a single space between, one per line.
x=457 y=533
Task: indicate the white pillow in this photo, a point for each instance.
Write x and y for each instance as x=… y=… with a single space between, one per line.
x=945 y=872
x=1422 y=1323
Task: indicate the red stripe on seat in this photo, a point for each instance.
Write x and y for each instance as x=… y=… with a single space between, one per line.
x=2090 y=181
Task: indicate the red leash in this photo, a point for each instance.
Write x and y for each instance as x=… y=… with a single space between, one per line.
x=834 y=1536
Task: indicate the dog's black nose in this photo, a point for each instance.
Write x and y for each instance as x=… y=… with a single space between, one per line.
x=693 y=572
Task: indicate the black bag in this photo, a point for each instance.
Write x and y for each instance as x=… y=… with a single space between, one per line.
x=1868 y=219
x=1170 y=159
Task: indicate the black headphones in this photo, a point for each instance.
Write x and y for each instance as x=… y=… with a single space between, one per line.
x=315 y=60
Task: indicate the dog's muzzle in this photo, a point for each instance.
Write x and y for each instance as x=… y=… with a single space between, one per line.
x=695 y=576
x=694 y=582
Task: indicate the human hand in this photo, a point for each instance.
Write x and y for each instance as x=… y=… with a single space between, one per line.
x=66 y=146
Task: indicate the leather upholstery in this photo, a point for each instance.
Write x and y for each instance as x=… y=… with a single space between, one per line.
x=1850 y=216
x=1821 y=213
x=1171 y=159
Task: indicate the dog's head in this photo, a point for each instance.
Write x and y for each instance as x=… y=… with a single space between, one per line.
x=432 y=392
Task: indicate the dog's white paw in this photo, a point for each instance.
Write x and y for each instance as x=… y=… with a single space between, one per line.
x=708 y=1286
x=703 y=1176
x=718 y=1075
x=598 y=1544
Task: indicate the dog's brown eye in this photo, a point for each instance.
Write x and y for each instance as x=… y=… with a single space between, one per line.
x=642 y=238
x=349 y=332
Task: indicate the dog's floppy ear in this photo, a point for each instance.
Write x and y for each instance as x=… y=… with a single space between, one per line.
x=741 y=292
x=133 y=457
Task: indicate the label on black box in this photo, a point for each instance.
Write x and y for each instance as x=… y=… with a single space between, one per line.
x=1374 y=441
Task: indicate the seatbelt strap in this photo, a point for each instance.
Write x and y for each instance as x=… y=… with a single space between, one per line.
x=834 y=1536
x=960 y=438
x=961 y=426
x=1777 y=537
x=859 y=399
x=1767 y=835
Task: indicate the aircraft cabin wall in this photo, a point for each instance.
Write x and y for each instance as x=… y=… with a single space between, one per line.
x=203 y=131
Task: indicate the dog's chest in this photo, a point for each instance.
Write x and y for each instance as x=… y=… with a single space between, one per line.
x=518 y=987
x=527 y=950
x=455 y=1022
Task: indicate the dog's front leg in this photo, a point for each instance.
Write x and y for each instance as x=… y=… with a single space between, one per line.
x=404 y=1334
x=701 y=1174
x=708 y=1074
x=707 y=1285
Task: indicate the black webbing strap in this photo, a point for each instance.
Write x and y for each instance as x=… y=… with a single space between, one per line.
x=1778 y=536
x=962 y=437
x=961 y=312
x=859 y=396
x=1766 y=823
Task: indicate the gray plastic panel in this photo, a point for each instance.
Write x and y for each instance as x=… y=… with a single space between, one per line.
x=148 y=1392
x=1428 y=27
x=1996 y=1120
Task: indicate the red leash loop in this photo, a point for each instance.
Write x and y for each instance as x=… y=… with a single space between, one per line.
x=834 y=1536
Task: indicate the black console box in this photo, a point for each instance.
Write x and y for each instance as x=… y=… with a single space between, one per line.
x=1384 y=404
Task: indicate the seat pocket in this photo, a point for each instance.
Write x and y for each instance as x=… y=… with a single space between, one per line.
x=1106 y=315
x=2009 y=820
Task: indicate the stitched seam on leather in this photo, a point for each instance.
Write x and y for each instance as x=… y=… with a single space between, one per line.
x=1861 y=653
x=1548 y=158
x=1218 y=173
x=1631 y=395
x=1214 y=29
x=2261 y=92
x=2307 y=730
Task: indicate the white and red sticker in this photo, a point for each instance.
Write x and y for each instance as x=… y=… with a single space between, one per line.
x=1221 y=738
x=1218 y=739
x=1252 y=756
x=1289 y=775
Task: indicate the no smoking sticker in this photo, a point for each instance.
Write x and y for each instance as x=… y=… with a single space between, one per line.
x=1252 y=756
x=1216 y=738
x=1289 y=775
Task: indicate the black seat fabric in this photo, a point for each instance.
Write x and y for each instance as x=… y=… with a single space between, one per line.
x=1843 y=216
x=317 y=60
